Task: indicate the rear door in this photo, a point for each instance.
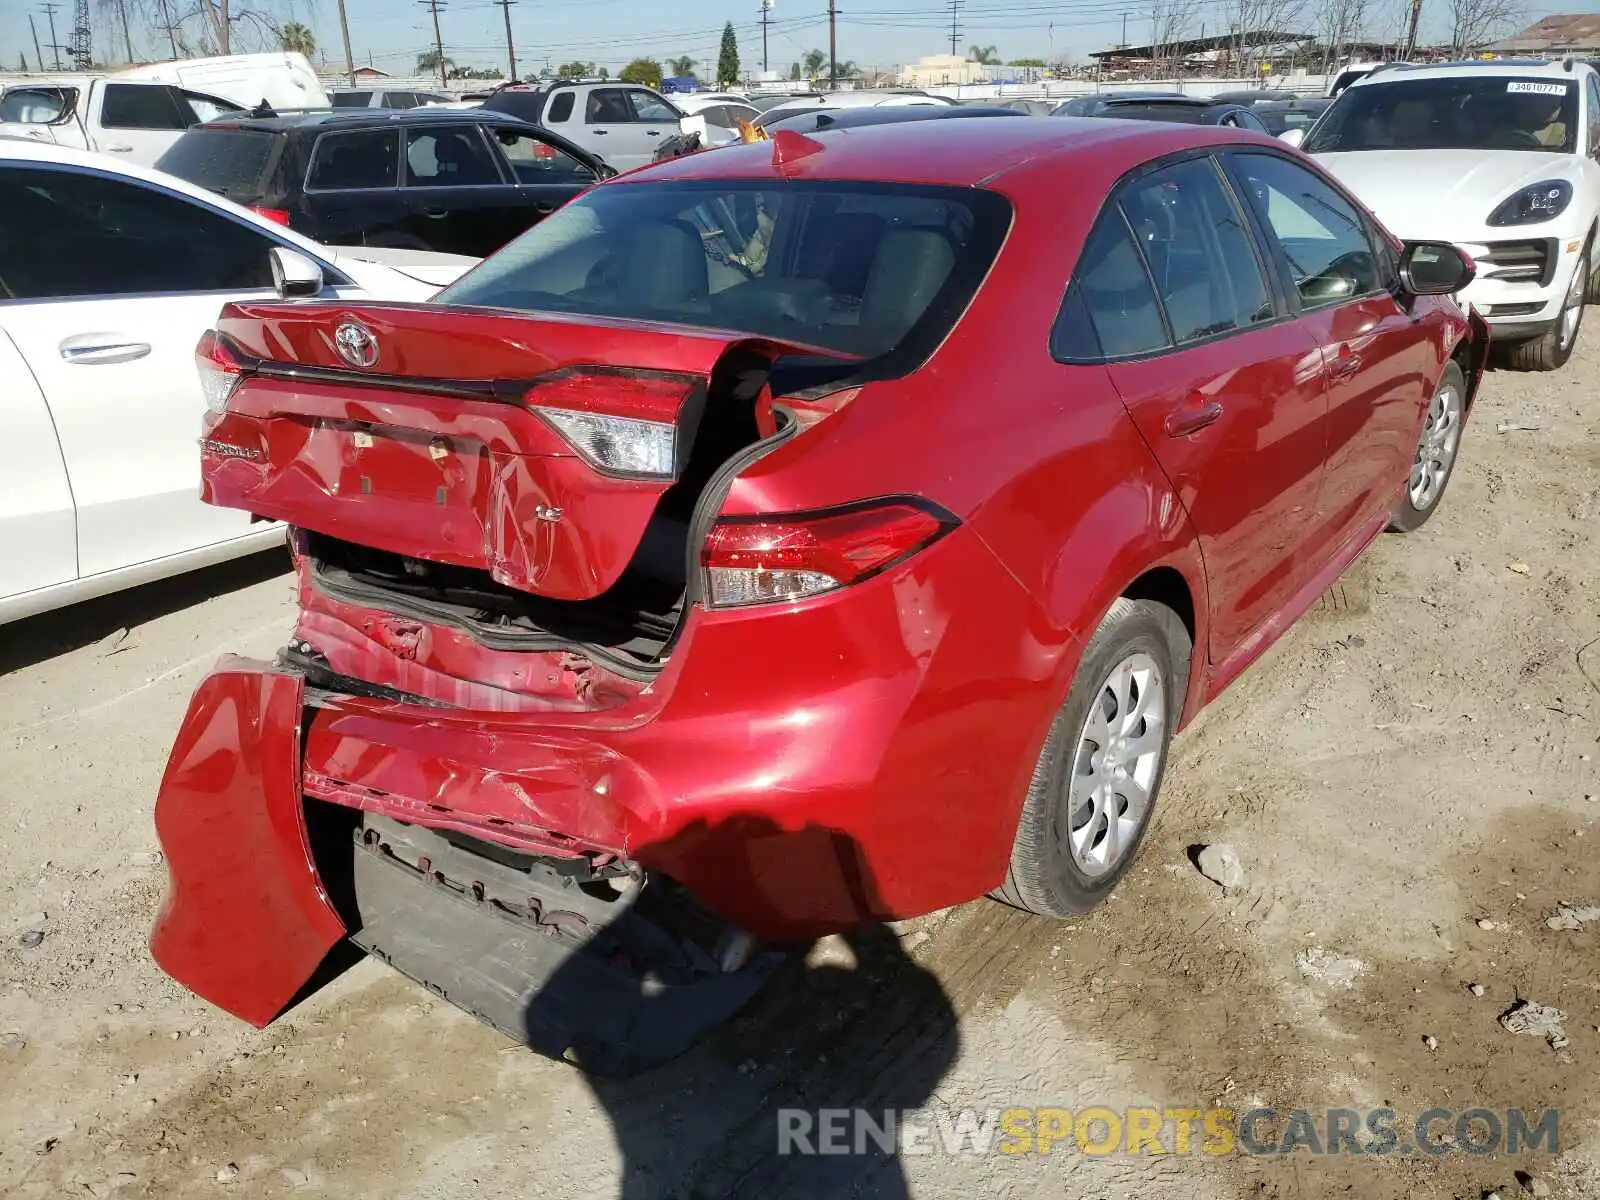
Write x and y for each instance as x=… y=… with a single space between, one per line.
x=1225 y=387
x=120 y=281
x=452 y=186
x=1376 y=356
x=37 y=526
x=352 y=190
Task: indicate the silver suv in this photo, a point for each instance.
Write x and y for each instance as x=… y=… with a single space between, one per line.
x=622 y=123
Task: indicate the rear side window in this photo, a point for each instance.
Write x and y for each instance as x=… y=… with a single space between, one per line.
x=453 y=156
x=367 y=159
x=1326 y=244
x=234 y=162
x=142 y=106
x=560 y=107
x=1199 y=251
x=1111 y=309
x=352 y=99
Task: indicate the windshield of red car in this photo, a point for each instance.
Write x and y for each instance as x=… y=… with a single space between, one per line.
x=858 y=268
x=1471 y=112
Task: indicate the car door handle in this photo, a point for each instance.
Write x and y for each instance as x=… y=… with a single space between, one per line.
x=1191 y=418
x=100 y=349
x=1345 y=366
x=436 y=213
x=119 y=148
x=652 y=133
x=599 y=132
x=544 y=210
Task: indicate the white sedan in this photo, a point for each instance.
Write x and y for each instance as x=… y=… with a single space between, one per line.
x=1498 y=157
x=109 y=274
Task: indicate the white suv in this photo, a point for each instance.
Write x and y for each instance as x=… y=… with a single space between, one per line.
x=1499 y=157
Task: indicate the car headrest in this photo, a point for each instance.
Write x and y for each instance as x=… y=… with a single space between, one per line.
x=908 y=270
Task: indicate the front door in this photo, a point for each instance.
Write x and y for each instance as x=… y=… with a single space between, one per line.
x=1225 y=387
x=1378 y=359
x=547 y=176
x=451 y=183
x=614 y=132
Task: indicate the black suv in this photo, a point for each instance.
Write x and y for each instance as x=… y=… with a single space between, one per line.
x=462 y=181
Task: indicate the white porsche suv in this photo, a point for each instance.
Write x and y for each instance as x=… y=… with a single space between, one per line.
x=1499 y=157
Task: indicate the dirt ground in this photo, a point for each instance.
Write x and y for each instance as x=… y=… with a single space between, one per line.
x=1410 y=780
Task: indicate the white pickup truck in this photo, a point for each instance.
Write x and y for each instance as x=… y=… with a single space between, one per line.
x=137 y=114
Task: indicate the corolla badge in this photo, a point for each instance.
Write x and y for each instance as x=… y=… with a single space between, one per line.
x=356 y=344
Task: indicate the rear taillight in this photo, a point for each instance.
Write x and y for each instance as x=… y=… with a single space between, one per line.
x=764 y=560
x=622 y=423
x=279 y=215
x=220 y=370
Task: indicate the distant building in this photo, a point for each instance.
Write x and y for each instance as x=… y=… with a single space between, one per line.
x=1554 y=37
x=938 y=70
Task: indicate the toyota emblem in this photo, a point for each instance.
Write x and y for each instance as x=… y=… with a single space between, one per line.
x=356 y=344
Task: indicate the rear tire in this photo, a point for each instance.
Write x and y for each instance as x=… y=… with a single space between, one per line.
x=1095 y=784
x=1551 y=350
x=1437 y=450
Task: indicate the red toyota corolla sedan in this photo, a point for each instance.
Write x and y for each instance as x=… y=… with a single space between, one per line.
x=812 y=532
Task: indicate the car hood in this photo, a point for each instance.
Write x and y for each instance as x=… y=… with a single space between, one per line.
x=1445 y=194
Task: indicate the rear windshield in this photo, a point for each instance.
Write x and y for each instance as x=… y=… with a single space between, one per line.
x=1472 y=112
x=232 y=162
x=863 y=269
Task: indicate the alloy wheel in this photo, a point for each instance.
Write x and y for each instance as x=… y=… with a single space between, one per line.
x=1441 y=438
x=1116 y=764
x=1572 y=306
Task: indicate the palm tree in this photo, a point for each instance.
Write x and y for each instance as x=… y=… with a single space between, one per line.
x=297 y=37
x=681 y=66
x=429 y=61
x=815 y=61
x=984 y=56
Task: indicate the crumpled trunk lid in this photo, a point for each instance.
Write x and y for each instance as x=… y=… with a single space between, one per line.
x=428 y=432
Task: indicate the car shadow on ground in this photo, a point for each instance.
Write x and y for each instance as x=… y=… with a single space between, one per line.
x=34 y=639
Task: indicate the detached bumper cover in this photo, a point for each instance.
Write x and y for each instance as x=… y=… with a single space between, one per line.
x=245 y=923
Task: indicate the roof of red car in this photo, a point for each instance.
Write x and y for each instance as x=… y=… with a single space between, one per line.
x=957 y=153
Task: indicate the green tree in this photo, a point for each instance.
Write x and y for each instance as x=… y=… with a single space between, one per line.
x=428 y=62
x=642 y=70
x=815 y=60
x=575 y=70
x=728 y=57
x=984 y=55
x=297 y=37
x=794 y=72
x=1026 y=62
x=604 y=72
x=682 y=65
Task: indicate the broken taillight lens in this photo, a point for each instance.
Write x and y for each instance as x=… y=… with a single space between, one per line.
x=220 y=370
x=764 y=560
x=622 y=423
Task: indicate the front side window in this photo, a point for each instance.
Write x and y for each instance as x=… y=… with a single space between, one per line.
x=534 y=160
x=861 y=269
x=648 y=107
x=1325 y=242
x=142 y=106
x=453 y=156
x=92 y=235
x=345 y=161
x=1469 y=112
x=1201 y=255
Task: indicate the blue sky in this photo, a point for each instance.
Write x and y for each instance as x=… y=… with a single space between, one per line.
x=872 y=33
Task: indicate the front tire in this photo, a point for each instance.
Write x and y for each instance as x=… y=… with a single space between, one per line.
x=1095 y=784
x=1551 y=350
x=1437 y=451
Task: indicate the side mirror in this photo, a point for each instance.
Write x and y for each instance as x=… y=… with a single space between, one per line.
x=1293 y=136
x=294 y=276
x=1435 y=269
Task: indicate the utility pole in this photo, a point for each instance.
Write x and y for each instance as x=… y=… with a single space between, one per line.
x=1124 y=41
x=955 y=30
x=438 y=40
x=344 y=30
x=1411 y=33
x=38 y=55
x=511 y=47
x=833 y=46
x=127 y=38
x=55 y=47
x=766 y=16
